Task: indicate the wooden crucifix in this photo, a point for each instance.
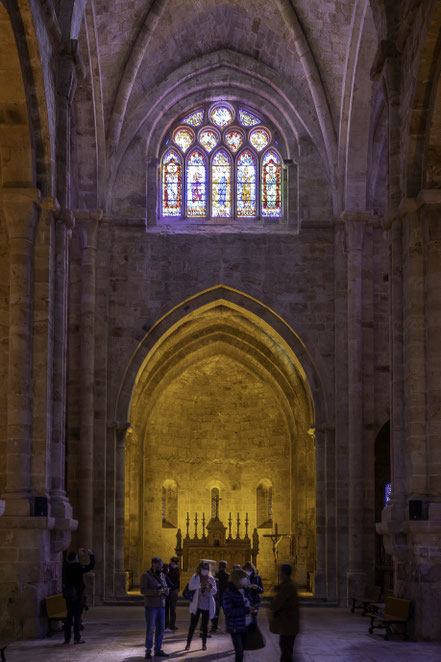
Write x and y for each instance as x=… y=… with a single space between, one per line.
x=216 y=500
x=276 y=537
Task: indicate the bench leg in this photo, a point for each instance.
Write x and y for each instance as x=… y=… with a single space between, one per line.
x=371 y=627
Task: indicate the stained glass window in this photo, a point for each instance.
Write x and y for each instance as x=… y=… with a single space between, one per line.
x=259 y=138
x=221 y=185
x=194 y=119
x=387 y=493
x=221 y=161
x=248 y=119
x=196 y=184
x=183 y=139
x=234 y=140
x=246 y=177
x=221 y=116
x=208 y=139
x=271 y=185
x=171 y=184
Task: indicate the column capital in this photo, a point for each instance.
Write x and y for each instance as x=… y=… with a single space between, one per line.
x=20 y=208
x=66 y=216
x=355 y=230
x=87 y=222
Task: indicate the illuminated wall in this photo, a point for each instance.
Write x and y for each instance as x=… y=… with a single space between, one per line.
x=219 y=403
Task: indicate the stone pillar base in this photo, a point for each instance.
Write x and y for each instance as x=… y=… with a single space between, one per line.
x=120 y=584
x=355 y=585
x=319 y=588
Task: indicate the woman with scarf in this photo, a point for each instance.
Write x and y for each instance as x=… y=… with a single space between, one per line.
x=238 y=610
x=204 y=586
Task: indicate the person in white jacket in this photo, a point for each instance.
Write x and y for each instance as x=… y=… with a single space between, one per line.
x=204 y=586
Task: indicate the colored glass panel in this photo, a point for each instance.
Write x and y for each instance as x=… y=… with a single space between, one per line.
x=387 y=493
x=196 y=184
x=195 y=119
x=271 y=185
x=221 y=116
x=208 y=140
x=234 y=140
x=248 y=119
x=221 y=185
x=183 y=139
x=259 y=139
x=246 y=184
x=171 y=184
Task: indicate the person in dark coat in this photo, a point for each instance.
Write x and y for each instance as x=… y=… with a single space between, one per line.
x=73 y=592
x=222 y=578
x=154 y=588
x=255 y=587
x=174 y=575
x=238 y=610
x=284 y=619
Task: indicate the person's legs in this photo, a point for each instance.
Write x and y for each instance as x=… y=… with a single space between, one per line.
x=173 y=602
x=238 y=643
x=287 y=648
x=68 y=621
x=193 y=623
x=215 y=620
x=159 y=628
x=150 y=626
x=77 y=612
x=205 y=618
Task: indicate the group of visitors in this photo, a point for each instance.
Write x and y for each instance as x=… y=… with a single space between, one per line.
x=237 y=593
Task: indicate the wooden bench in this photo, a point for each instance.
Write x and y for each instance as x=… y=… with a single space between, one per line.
x=371 y=596
x=396 y=612
x=4 y=643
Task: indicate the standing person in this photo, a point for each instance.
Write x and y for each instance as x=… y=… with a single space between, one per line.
x=174 y=574
x=154 y=589
x=204 y=586
x=238 y=610
x=255 y=587
x=222 y=578
x=284 y=618
x=170 y=586
x=73 y=592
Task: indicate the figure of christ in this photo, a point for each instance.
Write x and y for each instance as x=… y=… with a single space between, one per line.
x=172 y=186
x=222 y=191
x=246 y=189
x=271 y=185
x=196 y=188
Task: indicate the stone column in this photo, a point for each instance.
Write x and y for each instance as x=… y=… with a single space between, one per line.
x=152 y=186
x=355 y=228
x=65 y=222
x=20 y=208
x=318 y=435
x=87 y=223
x=121 y=432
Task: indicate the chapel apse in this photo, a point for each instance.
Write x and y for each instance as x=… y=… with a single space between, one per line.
x=220 y=408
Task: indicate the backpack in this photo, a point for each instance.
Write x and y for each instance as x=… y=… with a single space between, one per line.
x=187 y=594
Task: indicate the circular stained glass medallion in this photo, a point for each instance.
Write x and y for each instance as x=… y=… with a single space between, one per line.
x=234 y=139
x=208 y=139
x=260 y=138
x=221 y=115
x=183 y=138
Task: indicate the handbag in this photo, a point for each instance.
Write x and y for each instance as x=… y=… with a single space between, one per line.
x=254 y=639
x=187 y=594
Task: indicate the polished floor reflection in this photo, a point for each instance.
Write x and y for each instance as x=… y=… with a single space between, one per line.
x=116 y=634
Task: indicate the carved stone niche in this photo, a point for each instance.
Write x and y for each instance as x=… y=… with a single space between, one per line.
x=216 y=533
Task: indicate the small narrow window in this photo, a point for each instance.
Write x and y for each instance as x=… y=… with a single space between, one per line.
x=221 y=185
x=169 y=504
x=246 y=178
x=271 y=185
x=265 y=504
x=196 y=184
x=171 y=184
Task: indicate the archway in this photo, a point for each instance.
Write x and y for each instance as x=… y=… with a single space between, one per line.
x=220 y=401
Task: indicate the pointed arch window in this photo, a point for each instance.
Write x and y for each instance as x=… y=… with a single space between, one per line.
x=221 y=185
x=171 y=184
x=264 y=499
x=169 y=504
x=221 y=162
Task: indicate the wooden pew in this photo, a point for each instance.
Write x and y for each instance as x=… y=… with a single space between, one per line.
x=371 y=596
x=396 y=612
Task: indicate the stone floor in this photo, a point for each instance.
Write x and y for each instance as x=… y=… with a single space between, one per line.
x=116 y=634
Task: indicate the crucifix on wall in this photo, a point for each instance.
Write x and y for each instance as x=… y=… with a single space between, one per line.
x=215 y=498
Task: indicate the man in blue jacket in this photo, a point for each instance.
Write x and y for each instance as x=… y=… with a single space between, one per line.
x=154 y=588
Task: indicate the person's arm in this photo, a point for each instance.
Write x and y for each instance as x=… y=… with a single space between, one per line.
x=147 y=589
x=231 y=610
x=170 y=584
x=213 y=585
x=90 y=566
x=258 y=584
x=278 y=600
x=195 y=583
